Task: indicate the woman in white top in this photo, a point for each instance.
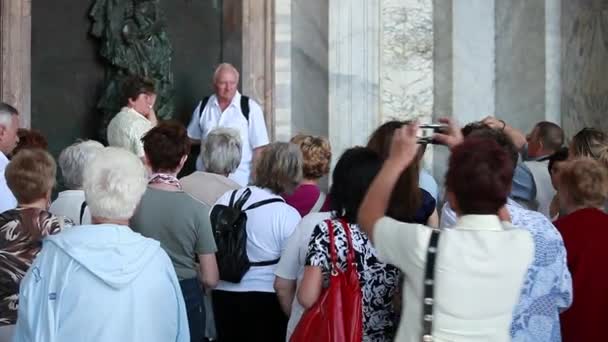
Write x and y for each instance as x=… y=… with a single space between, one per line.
x=137 y=116
x=72 y=161
x=249 y=310
x=480 y=263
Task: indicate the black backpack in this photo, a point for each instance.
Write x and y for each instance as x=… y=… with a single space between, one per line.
x=230 y=231
x=244 y=106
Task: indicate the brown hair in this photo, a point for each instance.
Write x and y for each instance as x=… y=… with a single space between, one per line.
x=585 y=182
x=279 y=168
x=406 y=197
x=165 y=145
x=551 y=135
x=590 y=142
x=133 y=86
x=31 y=175
x=30 y=138
x=480 y=174
x=316 y=152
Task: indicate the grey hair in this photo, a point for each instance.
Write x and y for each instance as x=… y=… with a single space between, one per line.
x=73 y=160
x=279 y=168
x=6 y=113
x=113 y=183
x=224 y=67
x=221 y=153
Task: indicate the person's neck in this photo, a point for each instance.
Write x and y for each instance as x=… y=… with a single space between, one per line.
x=103 y=220
x=165 y=186
x=133 y=109
x=309 y=182
x=224 y=103
x=38 y=204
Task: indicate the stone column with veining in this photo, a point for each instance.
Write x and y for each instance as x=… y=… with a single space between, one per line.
x=406 y=68
x=584 y=66
x=354 y=78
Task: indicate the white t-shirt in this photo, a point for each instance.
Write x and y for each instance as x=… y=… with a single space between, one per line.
x=7 y=199
x=293 y=260
x=68 y=204
x=268 y=228
x=479 y=275
x=253 y=131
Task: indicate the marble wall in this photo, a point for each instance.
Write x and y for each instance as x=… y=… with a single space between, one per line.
x=406 y=67
x=584 y=64
x=309 y=65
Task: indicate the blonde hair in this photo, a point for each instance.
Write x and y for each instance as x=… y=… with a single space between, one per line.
x=31 y=175
x=279 y=168
x=585 y=182
x=590 y=142
x=316 y=154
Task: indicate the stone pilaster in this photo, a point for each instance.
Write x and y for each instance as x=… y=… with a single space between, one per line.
x=15 y=56
x=354 y=77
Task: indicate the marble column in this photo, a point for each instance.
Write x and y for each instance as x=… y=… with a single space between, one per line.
x=15 y=56
x=282 y=70
x=354 y=77
x=257 y=76
x=584 y=68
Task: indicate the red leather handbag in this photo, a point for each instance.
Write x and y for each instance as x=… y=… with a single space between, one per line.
x=337 y=315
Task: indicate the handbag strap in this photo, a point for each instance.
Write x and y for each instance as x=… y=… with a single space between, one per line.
x=333 y=255
x=429 y=287
x=350 y=255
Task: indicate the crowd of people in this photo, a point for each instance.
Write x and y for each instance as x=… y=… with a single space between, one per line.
x=510 y=250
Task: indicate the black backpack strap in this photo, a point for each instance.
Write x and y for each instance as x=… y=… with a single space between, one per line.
x=203 y=105
x=429 y=287
x=232 y=196
x=83 y=206
x=264 y=202
x=245 y=106
x=242 y=199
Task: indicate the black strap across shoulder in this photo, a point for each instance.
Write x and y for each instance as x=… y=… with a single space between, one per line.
x=429 y=287
x=244 y=106
x=265 y=263
x=264 y=202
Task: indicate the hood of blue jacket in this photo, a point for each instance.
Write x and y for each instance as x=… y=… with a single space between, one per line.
x=113 y=253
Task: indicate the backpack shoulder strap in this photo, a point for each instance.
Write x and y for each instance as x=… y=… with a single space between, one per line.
x=83 y=206
x=203 y=105
x=264 y=202
x=240 y=202
x=245 y=106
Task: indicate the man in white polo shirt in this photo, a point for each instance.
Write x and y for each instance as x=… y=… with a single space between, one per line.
x=9 y=124
x=228 y=108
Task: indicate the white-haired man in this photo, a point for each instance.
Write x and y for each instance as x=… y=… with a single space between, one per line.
x=103 y=282
x=228 y=108
x=72 y=161
x=9 y=124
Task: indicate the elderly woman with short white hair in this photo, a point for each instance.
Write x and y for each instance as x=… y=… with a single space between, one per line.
x=221 y=154
x=72 y=161
x=103 y=282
